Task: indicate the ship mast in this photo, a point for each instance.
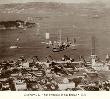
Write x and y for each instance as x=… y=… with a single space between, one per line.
x=74 y=30
x=60 y=35
x=38 y=28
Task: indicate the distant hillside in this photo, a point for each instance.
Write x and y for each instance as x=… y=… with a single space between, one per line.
x=51 y=6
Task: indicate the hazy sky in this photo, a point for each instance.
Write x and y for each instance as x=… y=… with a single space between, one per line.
x=66 y=1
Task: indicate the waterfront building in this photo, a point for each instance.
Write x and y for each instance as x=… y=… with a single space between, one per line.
x=20 y=85
x=99 y=65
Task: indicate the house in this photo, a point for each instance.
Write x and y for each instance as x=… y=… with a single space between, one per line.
x=20 y=85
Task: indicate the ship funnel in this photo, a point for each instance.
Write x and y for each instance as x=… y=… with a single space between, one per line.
x=93 y=46
x=93 y=56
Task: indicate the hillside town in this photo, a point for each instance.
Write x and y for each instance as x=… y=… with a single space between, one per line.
x=64 y=75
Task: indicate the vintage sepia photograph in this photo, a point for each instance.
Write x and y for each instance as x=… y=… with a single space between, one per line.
x=54 y=45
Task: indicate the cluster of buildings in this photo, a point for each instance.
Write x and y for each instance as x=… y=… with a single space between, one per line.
x=99 y=65
x=66 y=74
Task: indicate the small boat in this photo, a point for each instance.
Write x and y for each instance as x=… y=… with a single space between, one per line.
x=56 y=49
x=13 y=47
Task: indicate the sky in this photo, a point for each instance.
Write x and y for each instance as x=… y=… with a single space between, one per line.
x=65 y=1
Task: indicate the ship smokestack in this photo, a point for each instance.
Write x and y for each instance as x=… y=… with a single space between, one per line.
x=93 y=54
x=93 y=46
